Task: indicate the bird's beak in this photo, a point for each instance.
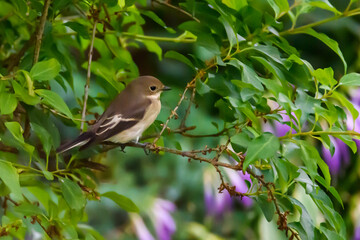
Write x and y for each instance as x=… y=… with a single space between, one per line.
x=166 y=88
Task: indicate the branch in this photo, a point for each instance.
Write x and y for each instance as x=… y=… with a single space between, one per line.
x=61 y=114
x=40 y=31
x=179 y=39
x=14 y=59
x=155 y=38
x=165 y=3
x=173 y=113
x=192 y=154
x=191 y=84
x=182 y=124
x=282 y=220
x=87 y=85
x=315 y=24
x=349 y=133
x=4 y=148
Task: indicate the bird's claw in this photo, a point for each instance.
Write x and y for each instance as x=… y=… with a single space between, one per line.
x=148 y=147
x=122 y=147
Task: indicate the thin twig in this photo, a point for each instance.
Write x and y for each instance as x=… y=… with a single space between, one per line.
x=62 y=115
x=183 y=121
x=282 y=220
x=87 y=85
x=4 y=148
x=40 y=31
x=191 y=84
x=165 y=3
x=173 y=113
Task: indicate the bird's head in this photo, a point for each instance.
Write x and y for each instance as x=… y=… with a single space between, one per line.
x=149 y=86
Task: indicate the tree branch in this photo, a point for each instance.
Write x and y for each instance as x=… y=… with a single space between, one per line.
x=282 y=220
x=87 y=85
x=40 y=31
x=192 y=154
x=183 y=121
x=165 y=3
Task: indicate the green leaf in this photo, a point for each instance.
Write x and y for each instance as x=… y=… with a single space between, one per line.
x=333 y=218
x=331 y=189
x=346 y=103
x=266 y=206
x=264 y=146
x=351 y=79
x=54 y=100
x=28 y=209
x=311 y=158
x=248 y=74
x=8 y=103
x=73 y=194
x=178 y=56
x=123 y=202
x=158 y=20
x=332 y=44
x=325 y=76
x=207 y=41
x=82 y=30
x=330 y=234
x=44 y=137
x=105 y=70
x=235 y=4
x=152 y=46
x=324 y=4
x=241 y=139
x=45 y=70
x=202 y=88
x=230 y=32
x=279 y=6
x=23 y=94
x=10 y=177
x=17 y=131
x=249 y=112
x=48 y=175
x=305 y=219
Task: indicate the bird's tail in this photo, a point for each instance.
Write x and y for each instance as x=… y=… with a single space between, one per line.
x=81 y=140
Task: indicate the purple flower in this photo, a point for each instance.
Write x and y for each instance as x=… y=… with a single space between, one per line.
x=161 y=218
x=357 y=233
x=237 y=179
x=282 y=129
x=341 y=156
x=351 y=124
x=140 y=229
x=163 y=221
x=279 y=129
x=216 y=203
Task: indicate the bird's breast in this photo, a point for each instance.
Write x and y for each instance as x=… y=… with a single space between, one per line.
x=136 y=131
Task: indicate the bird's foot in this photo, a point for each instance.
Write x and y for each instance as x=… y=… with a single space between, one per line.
x=122 y=147
x=149 y=147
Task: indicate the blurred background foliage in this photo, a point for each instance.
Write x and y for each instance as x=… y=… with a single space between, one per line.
x=256 y=66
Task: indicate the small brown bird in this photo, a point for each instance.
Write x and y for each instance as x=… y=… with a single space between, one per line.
x=127 y=117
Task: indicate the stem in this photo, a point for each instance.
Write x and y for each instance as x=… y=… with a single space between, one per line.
x=166 y=3
x=87 y=85
x=158 y=39
x=178 y=39
x=40 y=31
x=182 y=124
x=311 y=25
x=289 y=136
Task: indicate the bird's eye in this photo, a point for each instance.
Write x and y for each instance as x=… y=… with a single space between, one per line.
x=152 y=88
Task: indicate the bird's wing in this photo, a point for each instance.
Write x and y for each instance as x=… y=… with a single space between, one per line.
x=119 y=118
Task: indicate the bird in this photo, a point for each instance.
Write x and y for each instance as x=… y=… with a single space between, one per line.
x=131 y=112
